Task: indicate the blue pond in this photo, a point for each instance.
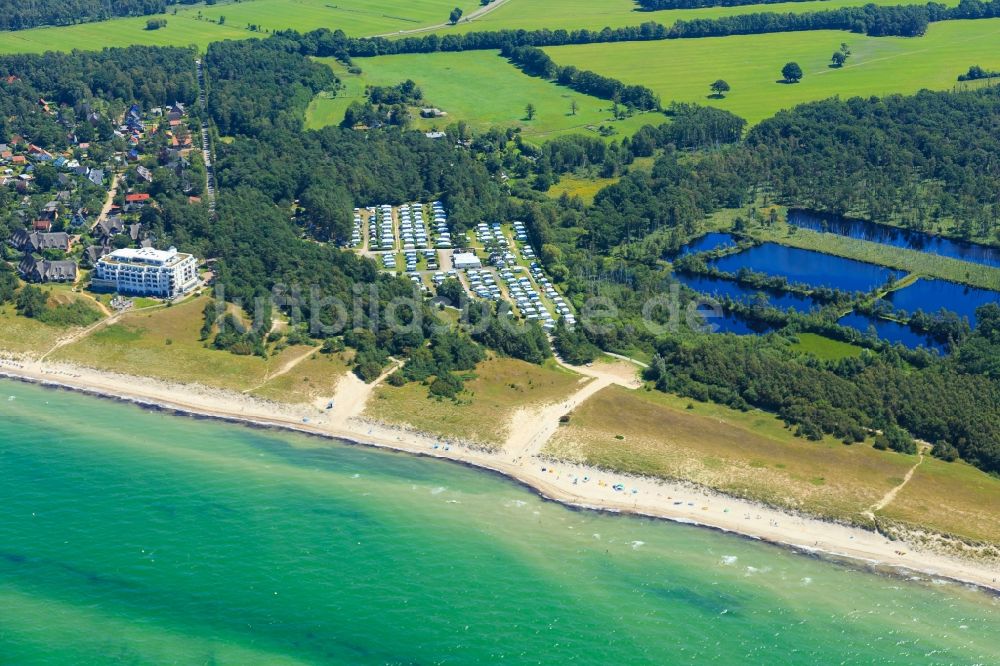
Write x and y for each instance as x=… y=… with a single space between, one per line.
x=807 y=266
x=882 y=233
x=730 y=323
x=891 y=331
x=932 y=295
x=719 y=322
x=738 y=292
x=710 y=241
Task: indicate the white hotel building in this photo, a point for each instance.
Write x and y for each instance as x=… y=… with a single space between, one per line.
x=147 y=272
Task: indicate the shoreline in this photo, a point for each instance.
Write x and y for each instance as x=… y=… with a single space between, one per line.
x=572 y=485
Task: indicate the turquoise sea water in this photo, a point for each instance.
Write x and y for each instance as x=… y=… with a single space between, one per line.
x=143 y=538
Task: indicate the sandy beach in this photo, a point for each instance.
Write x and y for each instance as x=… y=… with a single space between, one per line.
x=573 y=485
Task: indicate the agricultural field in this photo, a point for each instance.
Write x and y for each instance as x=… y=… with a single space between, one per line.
x=179 y=31
x=681 y=70
x=480 y=88
x=360 y=18
x=753 y=455
x=199 y=25
x=484 y=410
x=595 y=15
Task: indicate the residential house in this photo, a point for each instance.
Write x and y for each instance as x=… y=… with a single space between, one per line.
x=36 y=241
x=144 y=173
x=43 y=270
x=109 y=227
x=93 y=253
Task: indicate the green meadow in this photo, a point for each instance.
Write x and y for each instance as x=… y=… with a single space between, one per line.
x=355 y=17
x=478 y=87
x=598 y=14
x=681 y=70
x=199 y=24
x=180 y=31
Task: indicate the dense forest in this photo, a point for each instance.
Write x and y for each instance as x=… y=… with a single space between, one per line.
x=146 y=75
x=916 y=159
x=22 y=14
x=283 y=85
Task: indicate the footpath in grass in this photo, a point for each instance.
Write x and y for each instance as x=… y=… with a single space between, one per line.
x=480 y=88
x=682 y=69
x=956 y=498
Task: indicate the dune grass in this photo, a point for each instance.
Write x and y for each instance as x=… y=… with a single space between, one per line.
x=480 y=88
x=681 y=70
x=955 y=498
x=748 y=454
x=753 y=455
x=484 y=410
x=163 y=343
x=21 y=335
x=312 y=379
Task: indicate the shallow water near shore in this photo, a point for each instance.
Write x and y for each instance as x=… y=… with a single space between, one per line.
x=142 y=537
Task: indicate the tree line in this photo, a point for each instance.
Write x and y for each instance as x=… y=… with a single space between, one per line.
x=658 y=5
x=534 y=61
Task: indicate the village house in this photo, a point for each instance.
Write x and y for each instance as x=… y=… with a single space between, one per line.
x=109 y=227
x=36 y=241
x=43 y=270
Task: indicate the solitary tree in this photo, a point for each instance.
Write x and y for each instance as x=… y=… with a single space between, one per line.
x=573 y=107
x=792 y=72
x=455 y=15
x=720 y=88
x=841 y=55
x=529 y=111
